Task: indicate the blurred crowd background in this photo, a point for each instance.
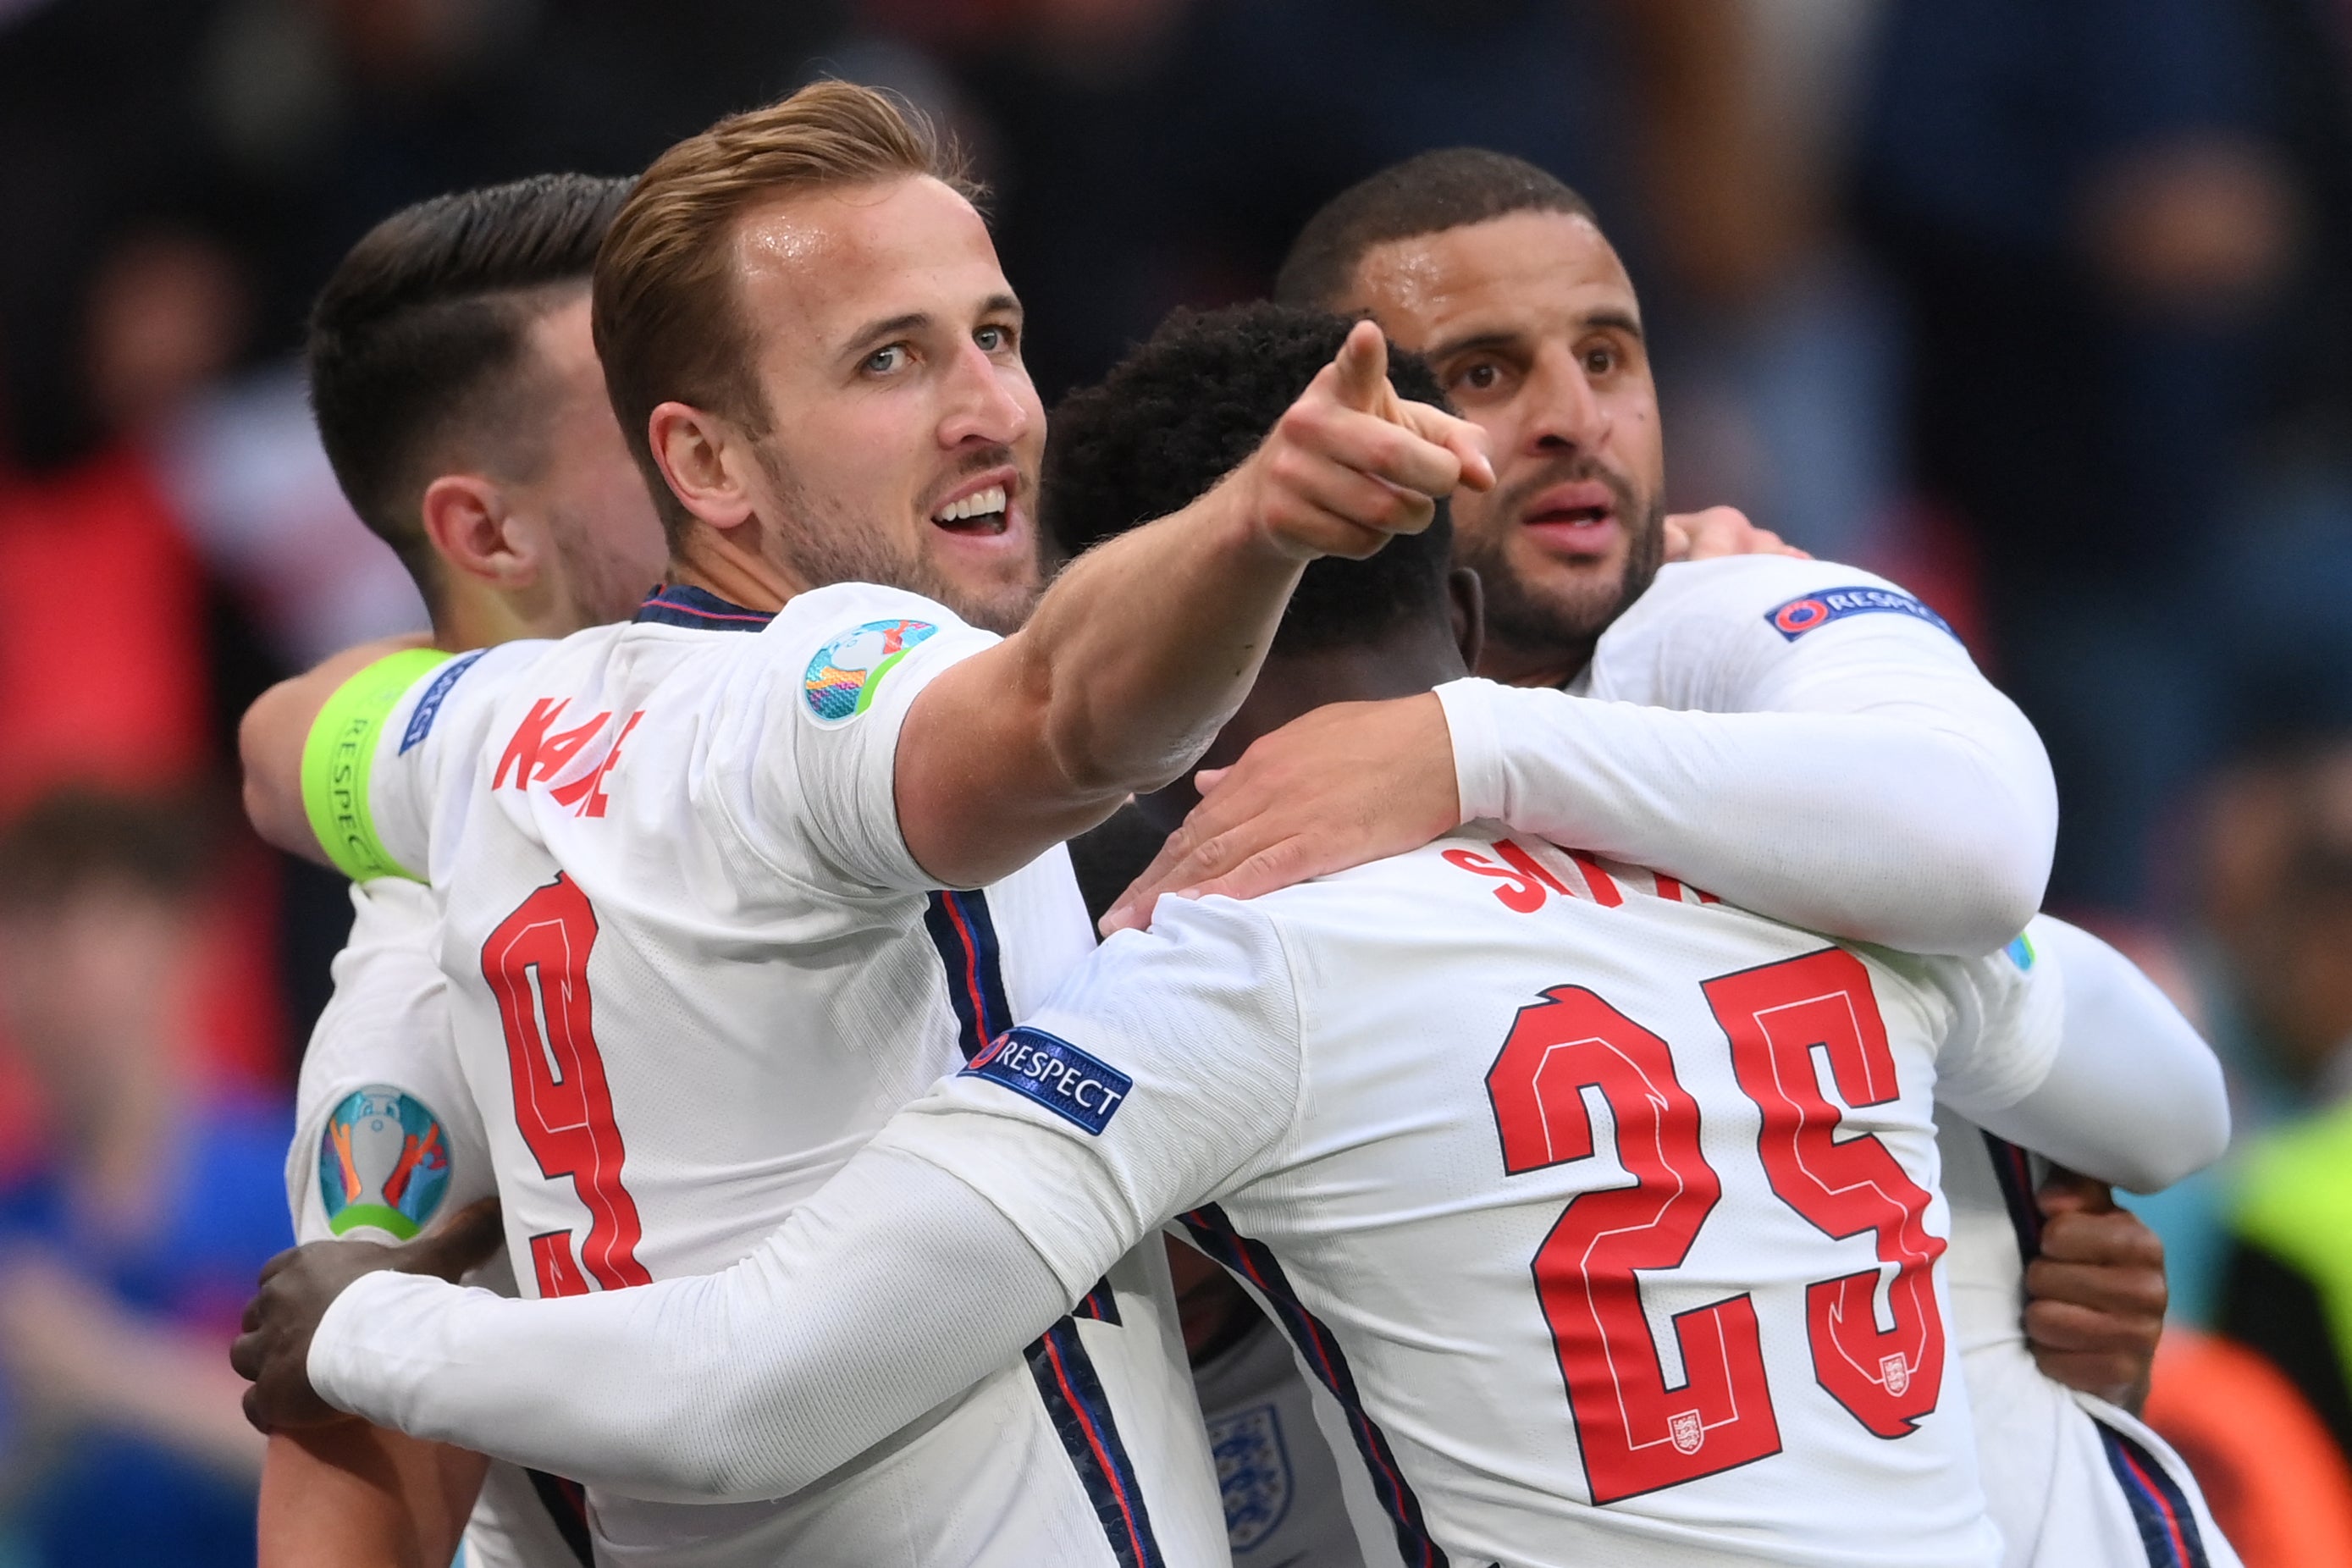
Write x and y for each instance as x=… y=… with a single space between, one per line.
x=2043 y=307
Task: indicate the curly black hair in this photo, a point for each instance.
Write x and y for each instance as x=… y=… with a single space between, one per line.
x=1183 y=409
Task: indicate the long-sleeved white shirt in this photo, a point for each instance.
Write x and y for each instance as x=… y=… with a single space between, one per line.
x=1315 y=1065
x=1799 y=737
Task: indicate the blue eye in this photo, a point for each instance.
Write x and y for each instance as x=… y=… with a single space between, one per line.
x=994 y=338
x=883 y=360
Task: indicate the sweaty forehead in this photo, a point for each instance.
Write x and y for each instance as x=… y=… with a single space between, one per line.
x=1530 y=272
x=826 y=263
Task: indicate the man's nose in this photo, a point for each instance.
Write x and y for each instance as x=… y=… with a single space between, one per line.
x=1564 y=413
x=985 y=404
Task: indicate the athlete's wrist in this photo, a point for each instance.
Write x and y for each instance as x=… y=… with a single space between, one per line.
x=1480 y=779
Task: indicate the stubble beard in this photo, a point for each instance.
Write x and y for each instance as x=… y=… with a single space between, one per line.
x=823 y=546
x=1554 y=628
x=603 y=590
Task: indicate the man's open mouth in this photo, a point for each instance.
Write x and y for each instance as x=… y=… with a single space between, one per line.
x=1574 y=516
x=983 y=512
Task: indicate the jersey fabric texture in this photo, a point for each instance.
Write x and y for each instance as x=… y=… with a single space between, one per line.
x=381 y=1053
x=1439 y=1110
x=1711 y=638
x=1886 y=790
x=692 y=967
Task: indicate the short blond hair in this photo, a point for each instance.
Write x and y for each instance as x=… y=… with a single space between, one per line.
x=667 y=324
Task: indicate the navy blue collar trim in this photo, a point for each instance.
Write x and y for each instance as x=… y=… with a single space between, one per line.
x=677 y=606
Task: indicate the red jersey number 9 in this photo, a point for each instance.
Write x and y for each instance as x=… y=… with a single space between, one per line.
x=537 y=965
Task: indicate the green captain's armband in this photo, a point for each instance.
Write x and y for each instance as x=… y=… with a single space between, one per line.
x=340 y=755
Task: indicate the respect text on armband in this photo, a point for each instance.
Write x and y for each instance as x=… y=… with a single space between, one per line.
x=1057 y=1075
x=1814 y=611
x=344 y=782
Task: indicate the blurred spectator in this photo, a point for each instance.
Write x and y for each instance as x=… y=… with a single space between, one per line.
x=2108 y=217
x=112 y=667
x=1146 y=153
x=2281 y=907
x=2276 y=1485
x=125 y=1262
x=102 y=662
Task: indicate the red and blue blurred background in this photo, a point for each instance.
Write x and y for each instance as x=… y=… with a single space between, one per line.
x=2044 y=307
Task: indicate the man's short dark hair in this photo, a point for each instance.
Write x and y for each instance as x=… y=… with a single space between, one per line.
x=1181 y=411
x=419 y=330
x=1451 y=188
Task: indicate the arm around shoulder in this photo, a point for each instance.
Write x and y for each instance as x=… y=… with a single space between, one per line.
x=2133 y=1096
x=271 y=737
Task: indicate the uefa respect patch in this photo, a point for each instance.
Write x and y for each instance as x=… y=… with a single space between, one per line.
x=1814 y=611
x=2021 y=950
x=1055 y=1073
x=847 y=671
x=384 y=1162
x=429 y=707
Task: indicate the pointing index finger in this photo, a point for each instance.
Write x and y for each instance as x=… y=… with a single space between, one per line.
x=1363 y=366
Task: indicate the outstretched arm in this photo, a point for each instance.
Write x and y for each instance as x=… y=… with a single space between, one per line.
x=971 y=1221
x=1143 y=649
x=893 y=1289
x=1855 y=775
x=2133 y=1097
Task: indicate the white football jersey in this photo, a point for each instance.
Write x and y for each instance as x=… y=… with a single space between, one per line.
x=1758 y=634
x=692 y=967
x=1608 y=1213
x=2072 y=1481
x=387 y=1141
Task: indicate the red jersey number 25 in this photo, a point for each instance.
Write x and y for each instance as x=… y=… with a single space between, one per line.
x=537 y=965
x=1636 y=1434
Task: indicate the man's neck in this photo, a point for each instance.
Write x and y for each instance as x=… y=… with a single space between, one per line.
x=1550 y=667
x=731 y=567
x=484 y=619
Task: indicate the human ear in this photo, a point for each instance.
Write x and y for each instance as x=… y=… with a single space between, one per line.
x=472 y=530
x=700 y=456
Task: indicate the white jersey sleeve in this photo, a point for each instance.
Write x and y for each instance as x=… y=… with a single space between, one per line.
x=806 y=761
x=1164 y=1070
x=2059 y=1044
x=387 y=1138
x=956 y=1235
x=1798 y=737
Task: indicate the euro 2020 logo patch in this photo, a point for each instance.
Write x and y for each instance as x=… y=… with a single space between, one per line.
x=846 y=672
x=383 y=1163
x=1252 y=1474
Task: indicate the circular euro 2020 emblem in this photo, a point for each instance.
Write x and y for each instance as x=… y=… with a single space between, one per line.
x=383 y=1163
x=847 y=671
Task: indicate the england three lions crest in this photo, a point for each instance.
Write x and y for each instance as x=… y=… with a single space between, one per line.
x=1253 y=1472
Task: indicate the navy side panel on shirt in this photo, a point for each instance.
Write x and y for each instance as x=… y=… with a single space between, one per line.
x=961 y=928
x=1252 y=1262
